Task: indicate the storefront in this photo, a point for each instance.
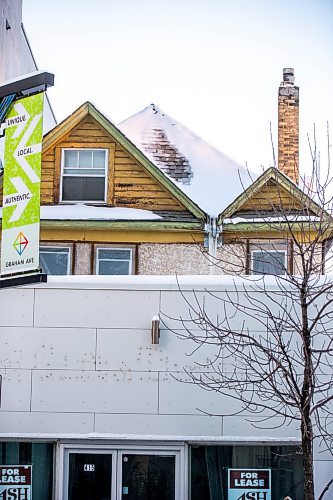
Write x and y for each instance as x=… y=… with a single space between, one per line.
x=149 y=470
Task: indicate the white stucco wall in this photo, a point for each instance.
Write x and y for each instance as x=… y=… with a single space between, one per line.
x=77 y=358
x=16 y=56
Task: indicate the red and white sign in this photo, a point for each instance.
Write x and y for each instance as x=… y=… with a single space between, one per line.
x=249 y=484
x=15 y=482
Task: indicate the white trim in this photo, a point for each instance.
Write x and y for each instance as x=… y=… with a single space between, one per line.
x=106 y=169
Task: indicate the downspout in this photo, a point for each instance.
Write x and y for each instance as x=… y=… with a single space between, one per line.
x=212 y=241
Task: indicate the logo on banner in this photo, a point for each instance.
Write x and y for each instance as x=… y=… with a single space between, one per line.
x=249 y=484
x=21 y=186
x=21 y=243
x=15 y=482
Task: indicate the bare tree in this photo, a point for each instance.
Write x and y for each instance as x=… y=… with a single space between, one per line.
x=281 y=357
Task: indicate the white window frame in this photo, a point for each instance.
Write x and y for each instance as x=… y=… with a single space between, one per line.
x=271 y=250
x=62 y=175
x=70 y=251
x=114 y=247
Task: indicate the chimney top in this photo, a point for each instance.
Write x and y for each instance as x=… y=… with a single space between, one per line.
x=288 y=76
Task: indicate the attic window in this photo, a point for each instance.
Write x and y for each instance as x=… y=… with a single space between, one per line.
x=84 y=175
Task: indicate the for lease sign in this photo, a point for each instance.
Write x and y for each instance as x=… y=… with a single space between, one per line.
x=15 y=482
x=21 y=186
x=249 y=484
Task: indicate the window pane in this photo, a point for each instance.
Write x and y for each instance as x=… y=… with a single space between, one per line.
x=148 y=477
x=40 y=456
x=99 y=159
x=110 y=267
x=209 y=469
x=83 y=189
x=71 y=159
x=85 y=159
x=89 y=476
x=54 y=260
x=114 y=254
x=269 y=262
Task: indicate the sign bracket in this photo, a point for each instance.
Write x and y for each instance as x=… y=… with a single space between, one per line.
x=24 y=279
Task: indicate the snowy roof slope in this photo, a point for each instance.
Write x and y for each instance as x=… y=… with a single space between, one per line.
x=89 y=212
x=210 y=178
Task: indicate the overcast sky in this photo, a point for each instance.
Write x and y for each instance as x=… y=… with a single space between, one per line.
x=213 y=65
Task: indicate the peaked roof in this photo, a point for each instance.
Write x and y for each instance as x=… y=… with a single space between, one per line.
x=55 y=135
x=210 y=178
x=282 y=180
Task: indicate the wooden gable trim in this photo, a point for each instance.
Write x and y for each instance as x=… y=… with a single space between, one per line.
x=271 y=174
x=64 y=128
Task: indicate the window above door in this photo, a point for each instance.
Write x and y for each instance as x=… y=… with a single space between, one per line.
x=84 y=175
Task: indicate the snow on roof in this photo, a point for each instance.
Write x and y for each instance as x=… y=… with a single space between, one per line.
x=210 y=178
x=151 y=437
x=204 y=283
x=269 y=219
x=88 y=212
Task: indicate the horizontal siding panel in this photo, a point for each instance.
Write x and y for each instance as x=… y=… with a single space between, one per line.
x=88 y=139
x=132 y=185
x=147 y=204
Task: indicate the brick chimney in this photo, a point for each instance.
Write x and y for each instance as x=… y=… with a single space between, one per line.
x=288 y=128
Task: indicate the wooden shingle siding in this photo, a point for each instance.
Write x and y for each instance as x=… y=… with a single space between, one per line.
x=271 y=197
x=134 y=187
x=46 y=193
x=129 y=184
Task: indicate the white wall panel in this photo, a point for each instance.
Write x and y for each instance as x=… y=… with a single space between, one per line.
x=235 y=425
x=183 y=425
x=71 y=348
x=95 y=308
x=224 y=308
x=91 y=391
x=39 y=422
x=16 y=307
x=183 y=398
x=15 y=390
x=323 y=474
x=120 y=349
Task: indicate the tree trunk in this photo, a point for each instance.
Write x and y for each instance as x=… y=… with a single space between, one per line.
x=306 y=402
x=307 y=447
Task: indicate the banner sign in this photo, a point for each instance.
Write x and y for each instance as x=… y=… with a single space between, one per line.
x=15 y=482
x=21 y=186
x=249 y=484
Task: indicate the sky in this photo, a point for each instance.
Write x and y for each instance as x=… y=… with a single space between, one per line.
x=213 y=65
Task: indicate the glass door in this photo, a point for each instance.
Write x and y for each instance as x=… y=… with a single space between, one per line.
x=121 y=474
x=147 y=477
x=90 y=476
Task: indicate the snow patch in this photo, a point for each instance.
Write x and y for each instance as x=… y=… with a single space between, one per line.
x=217 y=179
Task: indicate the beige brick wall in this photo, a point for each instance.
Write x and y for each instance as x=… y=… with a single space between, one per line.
x=83 y=258
x=232 y=258
x=190 y=259
x=316 y=261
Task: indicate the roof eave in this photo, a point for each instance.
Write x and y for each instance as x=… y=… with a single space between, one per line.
x=52 y=137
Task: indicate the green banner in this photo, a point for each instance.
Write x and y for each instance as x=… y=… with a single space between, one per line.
x=21 y=186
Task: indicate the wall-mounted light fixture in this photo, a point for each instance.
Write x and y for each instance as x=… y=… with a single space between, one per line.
x=155 y=330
